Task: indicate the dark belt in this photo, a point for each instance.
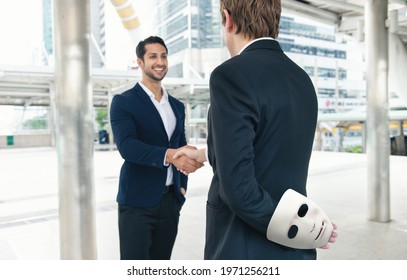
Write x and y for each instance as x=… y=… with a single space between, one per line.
x=169 y=188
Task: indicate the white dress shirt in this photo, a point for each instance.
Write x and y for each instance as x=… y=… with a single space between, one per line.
x=167 y=116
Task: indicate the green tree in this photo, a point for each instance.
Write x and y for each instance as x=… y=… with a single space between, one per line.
x=36 y=123
x=101 y=118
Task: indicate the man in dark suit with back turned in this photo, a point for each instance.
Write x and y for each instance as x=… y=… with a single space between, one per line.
x=148 y=126
x=261 y=125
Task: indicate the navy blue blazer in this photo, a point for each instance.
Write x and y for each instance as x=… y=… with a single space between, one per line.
x=142 y=141
x=261 y=126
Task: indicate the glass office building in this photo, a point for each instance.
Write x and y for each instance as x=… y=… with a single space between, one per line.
x=334 y=62
x=191 y=30
x=97 y=40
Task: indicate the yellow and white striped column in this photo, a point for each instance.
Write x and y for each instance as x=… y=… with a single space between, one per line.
x=130 y=20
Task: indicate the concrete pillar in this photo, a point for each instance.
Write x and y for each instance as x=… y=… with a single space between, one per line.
x=109 y=127
x=52 y=114
x=74 y=129
x=188 y=134
x=364 y=132
x=397 y=60
x=318 y=138
x=378 y=140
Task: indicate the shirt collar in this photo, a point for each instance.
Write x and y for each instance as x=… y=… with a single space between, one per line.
x=151 y=95
x=255 y=40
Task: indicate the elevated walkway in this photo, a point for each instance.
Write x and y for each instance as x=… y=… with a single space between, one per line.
x=29 y=227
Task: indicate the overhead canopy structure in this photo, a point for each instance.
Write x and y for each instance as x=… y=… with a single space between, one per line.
x=32 y=86
x=346 y=15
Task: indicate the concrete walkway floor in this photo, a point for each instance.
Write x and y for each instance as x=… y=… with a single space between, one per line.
x=29 y=228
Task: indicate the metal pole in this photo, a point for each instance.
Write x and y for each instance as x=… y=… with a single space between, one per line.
x=378 y=139
x=74 y=129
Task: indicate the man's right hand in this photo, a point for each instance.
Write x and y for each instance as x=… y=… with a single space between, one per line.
x=183 y=163
x=199 y=155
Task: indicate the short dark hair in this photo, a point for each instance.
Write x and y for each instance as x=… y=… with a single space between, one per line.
x=141 y=49
x=253 y=18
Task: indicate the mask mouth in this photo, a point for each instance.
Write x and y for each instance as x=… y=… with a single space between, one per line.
x=320 y=231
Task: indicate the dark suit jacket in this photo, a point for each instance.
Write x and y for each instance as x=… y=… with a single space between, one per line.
x=261 y=127
x=142 y=141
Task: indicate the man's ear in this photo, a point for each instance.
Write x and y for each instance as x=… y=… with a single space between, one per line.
x=229 y=24
x=139 y=62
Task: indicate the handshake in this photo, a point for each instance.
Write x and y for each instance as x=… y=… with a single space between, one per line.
x=186 y=159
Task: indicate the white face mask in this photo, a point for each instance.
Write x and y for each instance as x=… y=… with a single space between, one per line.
x=299 y=223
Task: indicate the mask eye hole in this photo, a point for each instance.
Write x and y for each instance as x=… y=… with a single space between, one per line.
x=292 y=232
x=303 y=210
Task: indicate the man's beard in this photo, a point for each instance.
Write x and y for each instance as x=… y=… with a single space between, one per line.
x=151 y=75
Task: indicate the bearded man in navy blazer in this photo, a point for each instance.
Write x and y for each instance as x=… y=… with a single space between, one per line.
x=148 y=127
x=261 y=125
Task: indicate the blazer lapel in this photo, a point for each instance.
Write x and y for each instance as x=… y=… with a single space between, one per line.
x=155 y=115
x=177 y=116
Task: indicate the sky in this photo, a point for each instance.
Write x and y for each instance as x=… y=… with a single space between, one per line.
x=21 y=32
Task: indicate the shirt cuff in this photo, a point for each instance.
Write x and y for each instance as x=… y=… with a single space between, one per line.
x=165 y=163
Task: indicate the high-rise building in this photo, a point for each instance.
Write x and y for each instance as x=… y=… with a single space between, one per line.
x=191 y=30
x=334 y=62
x=97 y=28
x=97 y=40
x=47 y=14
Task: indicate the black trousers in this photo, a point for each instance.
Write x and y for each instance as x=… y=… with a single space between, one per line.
x=149 y=233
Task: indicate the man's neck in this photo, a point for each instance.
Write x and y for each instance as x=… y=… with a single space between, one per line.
x=155 y=88
x=238 y=43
